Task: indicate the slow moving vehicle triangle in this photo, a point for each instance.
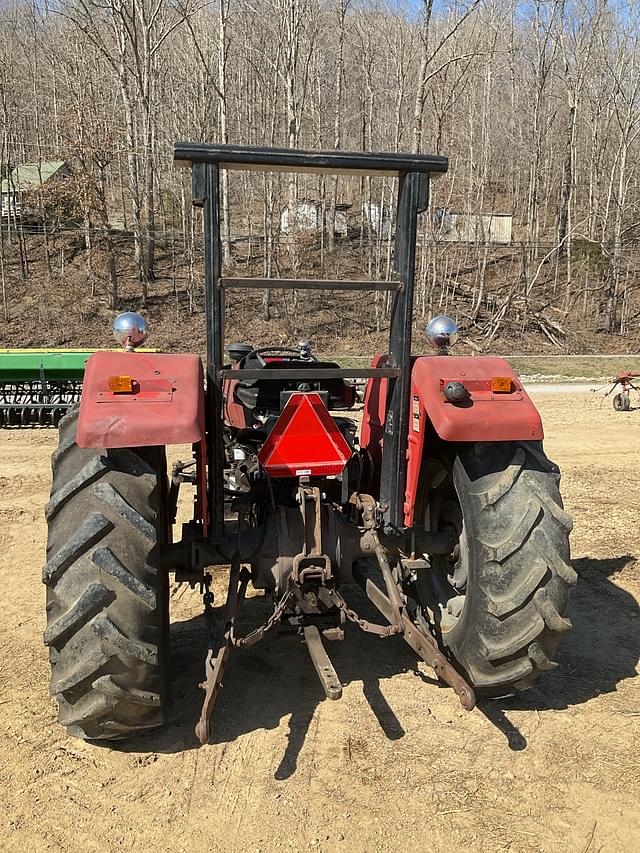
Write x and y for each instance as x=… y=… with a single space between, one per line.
x=305 y=441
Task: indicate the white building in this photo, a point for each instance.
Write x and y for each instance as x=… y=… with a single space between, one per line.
x=309 y=217
x=472 y=227
x=377 y=217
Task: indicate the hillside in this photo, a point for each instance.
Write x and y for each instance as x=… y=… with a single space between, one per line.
x=58 y=308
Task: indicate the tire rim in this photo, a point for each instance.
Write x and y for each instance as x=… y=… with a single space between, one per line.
x=442 y=588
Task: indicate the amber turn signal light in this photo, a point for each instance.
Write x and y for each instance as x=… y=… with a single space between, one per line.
x=501 y=384
x=121 y=384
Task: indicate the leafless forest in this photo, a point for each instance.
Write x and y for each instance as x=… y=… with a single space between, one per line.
x=536 y=104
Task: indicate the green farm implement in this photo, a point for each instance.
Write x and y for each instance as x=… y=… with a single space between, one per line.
x=38 y=386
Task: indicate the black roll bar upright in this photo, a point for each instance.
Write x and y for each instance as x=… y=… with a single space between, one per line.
x=413 y=198
x=205 y=188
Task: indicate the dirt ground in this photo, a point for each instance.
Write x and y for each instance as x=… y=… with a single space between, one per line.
x=396 y=765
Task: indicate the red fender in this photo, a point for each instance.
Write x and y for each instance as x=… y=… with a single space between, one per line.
x=485 y=416
x=166 y=405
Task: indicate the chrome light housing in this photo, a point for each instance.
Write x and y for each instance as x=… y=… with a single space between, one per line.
x=442 y=333
x=130 y=330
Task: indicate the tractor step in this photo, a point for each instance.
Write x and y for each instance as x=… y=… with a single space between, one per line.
x=326 y=673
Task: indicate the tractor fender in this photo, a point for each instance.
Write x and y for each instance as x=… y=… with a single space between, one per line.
x=484 y=416
x=165 y=404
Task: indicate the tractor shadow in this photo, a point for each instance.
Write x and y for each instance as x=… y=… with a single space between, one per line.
x=275 y=679
x=602 y=649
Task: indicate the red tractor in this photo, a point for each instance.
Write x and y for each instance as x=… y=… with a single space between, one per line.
x=445 y=510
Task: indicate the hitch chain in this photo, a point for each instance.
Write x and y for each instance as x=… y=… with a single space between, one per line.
x=209 y=619
x=258 y=633
x=370 y=627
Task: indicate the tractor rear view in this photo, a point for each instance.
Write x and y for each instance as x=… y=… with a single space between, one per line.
x=444 y=510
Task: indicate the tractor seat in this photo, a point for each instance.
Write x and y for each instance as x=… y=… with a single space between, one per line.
x=263 y=395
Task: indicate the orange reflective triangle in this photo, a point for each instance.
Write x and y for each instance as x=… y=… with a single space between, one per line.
x=305 y=441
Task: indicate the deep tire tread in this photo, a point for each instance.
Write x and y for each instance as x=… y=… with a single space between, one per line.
x=547 y=609
x=89 y=603
x=106 y=684
x=517 y=535
x=518 y=593
x=106 y=561
x=111 y=496
x=92 y=530
x=85 y=669
x=109 y=633
x=91 y=471
x=519 y=572
x=88 y=709
x=107 y=609
x=507 y=675
x=505 y=481
x=511 y=643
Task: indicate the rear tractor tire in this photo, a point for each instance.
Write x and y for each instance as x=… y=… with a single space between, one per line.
x=499 y=600
x=107 y=599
